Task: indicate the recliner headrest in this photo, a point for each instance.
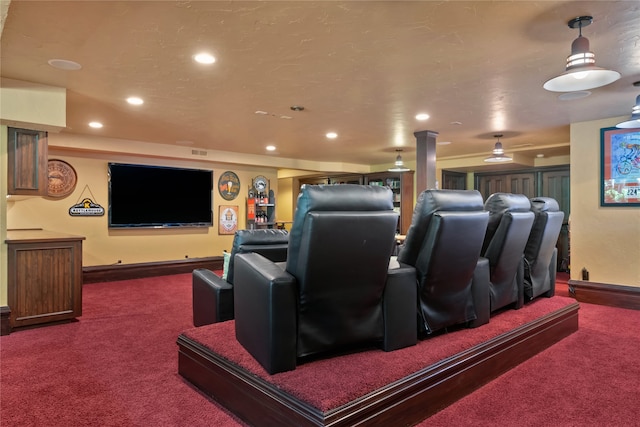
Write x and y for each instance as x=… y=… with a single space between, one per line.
x=499 y=203
x=429 y=202
x=450 y=200
x=343 y=197
x=265 y=236
x=544 y=204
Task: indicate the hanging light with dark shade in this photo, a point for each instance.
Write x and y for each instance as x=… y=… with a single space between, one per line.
x=634 y=121
x=581 y=72
x=497 y=155
x=399 y=164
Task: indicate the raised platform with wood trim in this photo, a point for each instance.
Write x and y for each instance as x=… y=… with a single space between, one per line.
x=605 y=294
x=404 y=402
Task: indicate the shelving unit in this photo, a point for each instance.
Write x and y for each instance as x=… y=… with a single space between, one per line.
x=261 y=205
x=401 y=183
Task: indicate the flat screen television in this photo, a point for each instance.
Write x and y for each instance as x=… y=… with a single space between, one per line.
x=159 y=196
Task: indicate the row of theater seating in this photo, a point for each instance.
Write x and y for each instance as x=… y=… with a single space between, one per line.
x=462 y=260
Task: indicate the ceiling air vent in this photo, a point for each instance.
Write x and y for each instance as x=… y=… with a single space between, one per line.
x=199 y=152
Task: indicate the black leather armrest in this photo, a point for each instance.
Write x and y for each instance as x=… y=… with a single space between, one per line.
x=265 y=311
x=480 y=293
x=212 y=298
x=399 y=307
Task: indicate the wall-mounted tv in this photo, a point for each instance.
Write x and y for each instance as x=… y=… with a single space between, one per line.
x=158 y=196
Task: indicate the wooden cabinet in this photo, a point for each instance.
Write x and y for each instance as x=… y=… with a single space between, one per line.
x=27 y=162
x=45 y=277
x=402 y=186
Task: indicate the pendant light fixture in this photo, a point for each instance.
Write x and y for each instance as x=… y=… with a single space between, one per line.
x=634 y=121
x=399 y=164
x=581 y=72
x=497 y=155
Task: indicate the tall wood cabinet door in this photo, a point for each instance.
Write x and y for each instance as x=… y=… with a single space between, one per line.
x=27 y=162
x=556 y=184
x=518 y=183
x=522 y=183
x=490 y=184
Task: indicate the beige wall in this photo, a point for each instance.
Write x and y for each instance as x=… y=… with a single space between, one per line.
x=105 y=246
x=604 y=240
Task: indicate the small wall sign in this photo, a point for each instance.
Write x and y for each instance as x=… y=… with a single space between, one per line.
x=86 y=208
x=228 y=219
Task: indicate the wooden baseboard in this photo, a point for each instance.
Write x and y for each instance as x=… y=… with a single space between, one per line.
x=5 y=325
x=605 y=294
x=108 y=273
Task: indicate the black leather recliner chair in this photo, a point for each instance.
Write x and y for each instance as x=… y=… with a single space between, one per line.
x=443 y=243
x=541 y=254
x=510 y=221
x=336 y=291
x=212 y=295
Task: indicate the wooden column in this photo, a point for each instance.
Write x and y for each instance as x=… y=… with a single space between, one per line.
x=425 y=160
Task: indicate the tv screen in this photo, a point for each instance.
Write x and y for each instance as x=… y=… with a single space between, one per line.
x=158 y=196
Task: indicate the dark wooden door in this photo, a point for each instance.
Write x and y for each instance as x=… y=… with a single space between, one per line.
x=454 y=180
x=521 y=183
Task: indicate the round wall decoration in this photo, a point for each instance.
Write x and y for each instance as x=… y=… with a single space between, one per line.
x=229 y=185
x=260 y=183
x=62 y=178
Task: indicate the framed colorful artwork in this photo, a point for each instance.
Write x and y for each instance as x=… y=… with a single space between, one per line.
x=227 y=219
x=619 y=167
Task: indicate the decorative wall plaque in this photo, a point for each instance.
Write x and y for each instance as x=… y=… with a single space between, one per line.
x=229 y=185
x=62 y=178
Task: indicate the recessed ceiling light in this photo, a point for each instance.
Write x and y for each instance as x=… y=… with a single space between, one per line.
x=134 y=100
x=95 y=125
x=332 y=135
x=64 y=64
x=204 y=58
x=422 y=116
x=456 y=123
x=540 y=155
x=270 y=148
x=443 y=142
x=263 y=113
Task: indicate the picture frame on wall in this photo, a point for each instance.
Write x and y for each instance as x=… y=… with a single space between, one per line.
x=619 y=167
x=227 y=219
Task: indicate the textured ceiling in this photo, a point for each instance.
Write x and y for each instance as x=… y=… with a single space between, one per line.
x=362 y=69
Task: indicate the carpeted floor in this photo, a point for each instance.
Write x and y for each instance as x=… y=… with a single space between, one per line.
x=117 y=366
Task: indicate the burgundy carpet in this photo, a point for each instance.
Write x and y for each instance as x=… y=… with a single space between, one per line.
x=117 y=366
x=330 y=383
